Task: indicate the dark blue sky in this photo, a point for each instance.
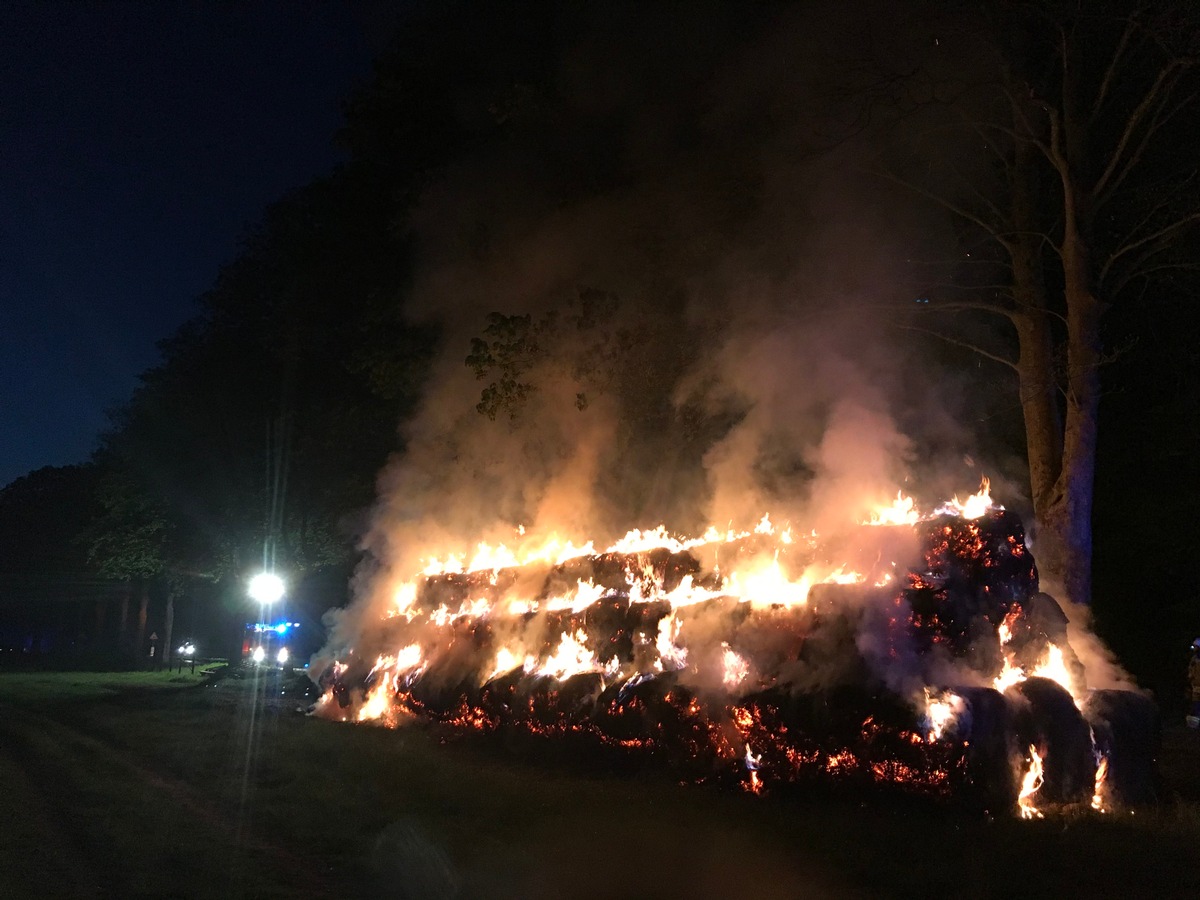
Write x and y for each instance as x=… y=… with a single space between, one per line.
x=138 y=143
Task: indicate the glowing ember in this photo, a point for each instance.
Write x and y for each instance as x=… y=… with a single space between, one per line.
x=841 y=760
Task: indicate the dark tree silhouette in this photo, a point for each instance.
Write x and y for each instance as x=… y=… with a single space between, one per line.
x=1083 y=192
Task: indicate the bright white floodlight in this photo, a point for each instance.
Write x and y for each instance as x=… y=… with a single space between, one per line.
x=266 y=587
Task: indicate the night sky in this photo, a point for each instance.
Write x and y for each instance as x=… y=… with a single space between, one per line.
x=141 y=141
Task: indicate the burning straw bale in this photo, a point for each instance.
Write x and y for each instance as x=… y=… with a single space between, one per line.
x=1046 y=717
x=1127 y=733
x=930 y=661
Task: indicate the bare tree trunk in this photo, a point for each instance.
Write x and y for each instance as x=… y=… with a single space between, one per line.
x=101 y=620
x=169 y=624
x=143 y=612
x=1067 y=522
x=123 y=628
x=1039 y=406
x=80 y=638
x=1035 y=342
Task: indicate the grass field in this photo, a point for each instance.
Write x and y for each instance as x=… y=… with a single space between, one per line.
x=160 y=785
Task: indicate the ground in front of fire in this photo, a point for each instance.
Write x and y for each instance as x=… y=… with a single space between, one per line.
x=164 y=785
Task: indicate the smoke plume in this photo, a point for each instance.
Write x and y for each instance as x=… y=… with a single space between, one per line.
x=687 y=235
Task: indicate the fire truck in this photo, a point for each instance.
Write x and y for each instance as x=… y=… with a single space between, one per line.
x=273 y=644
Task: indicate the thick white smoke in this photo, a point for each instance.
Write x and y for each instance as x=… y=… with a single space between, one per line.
x=749 y=361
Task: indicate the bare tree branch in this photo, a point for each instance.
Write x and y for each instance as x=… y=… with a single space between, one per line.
x=1154 y=94
x=959 y=261
x=995 y=126
x=996 y=233
x=1169 y=191
x=1043 y=238
x=1144 y=272
x=1057 y=159
x=987 y=354
x=1114 y=63
x=1159 y=236
x=1029 y=135
x=1027 y=308
x=989 y=143
x=1004 y=289
x=981 y=197
x=1135 y=157
x=971 y=305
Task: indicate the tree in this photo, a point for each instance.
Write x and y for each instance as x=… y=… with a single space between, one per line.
x=1091 y=200
x=46 y=519
x=257 y=438
x=43 y=519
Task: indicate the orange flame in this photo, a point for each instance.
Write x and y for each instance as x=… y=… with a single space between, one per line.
x=900 y=512
x=974 y=506
x=941 y=712
x=1031 y=782
x=734 y=667
x=1099 y=790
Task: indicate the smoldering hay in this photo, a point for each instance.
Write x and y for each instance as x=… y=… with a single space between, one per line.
x=911 y=650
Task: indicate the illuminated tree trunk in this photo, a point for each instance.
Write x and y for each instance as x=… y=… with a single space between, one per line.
x=1038 y=388
x=1060 y=439
x=1089 y=197
x=1064 y=550
x=1039 y=406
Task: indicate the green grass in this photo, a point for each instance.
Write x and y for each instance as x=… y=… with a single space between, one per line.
x=252 y=799
x=34 y=687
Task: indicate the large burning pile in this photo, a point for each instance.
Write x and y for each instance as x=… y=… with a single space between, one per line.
x=912 y=650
